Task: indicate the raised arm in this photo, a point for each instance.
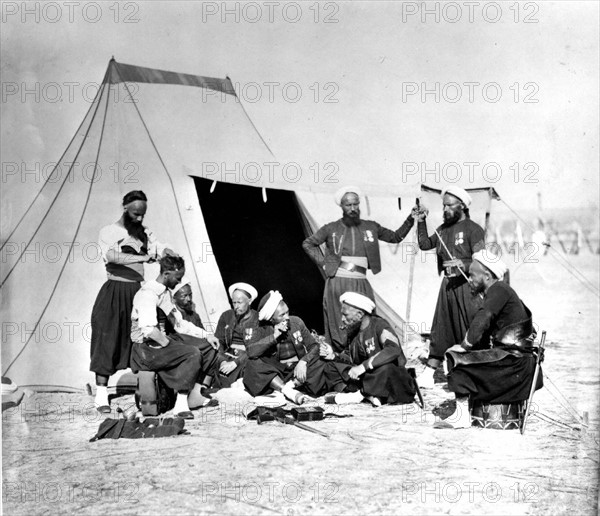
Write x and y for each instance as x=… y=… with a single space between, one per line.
x=425 y=242
x=395 y=237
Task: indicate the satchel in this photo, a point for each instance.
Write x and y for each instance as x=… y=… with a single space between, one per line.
x=136 y=429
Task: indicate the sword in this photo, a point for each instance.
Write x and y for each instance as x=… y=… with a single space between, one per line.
x=411 y=372
x=535 y=377
x=449 y=253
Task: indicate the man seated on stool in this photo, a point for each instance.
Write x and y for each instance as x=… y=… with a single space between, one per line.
x=176 y=356
x=495 y=362
x=234 y=329
x=372 y=366
x=282 y=350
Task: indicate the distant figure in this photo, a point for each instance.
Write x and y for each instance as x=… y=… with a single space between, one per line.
x=539 y=240
x=234 y=330
x=352 y=247
x=372 y=366
x=456 y=305
x=495 y=362
x=125 y=245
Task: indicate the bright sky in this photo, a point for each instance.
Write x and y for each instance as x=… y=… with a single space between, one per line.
x=338 y=82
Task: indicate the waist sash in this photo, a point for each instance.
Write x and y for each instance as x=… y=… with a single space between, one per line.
x=520 y=334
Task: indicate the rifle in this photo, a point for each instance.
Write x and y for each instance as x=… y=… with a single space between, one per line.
x=538 y=363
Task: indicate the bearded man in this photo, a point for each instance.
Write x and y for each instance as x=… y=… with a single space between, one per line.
x=455 y=241
x=496 y=360
x=351 y=247
x=125 y=246
x=372 y=366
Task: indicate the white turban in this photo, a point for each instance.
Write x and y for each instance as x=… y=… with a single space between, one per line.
x=493 y=263
x=458 y=192
x=184 y=281
x=339 y=195
x=244 y=287
x=358 y=301
x=268 y=304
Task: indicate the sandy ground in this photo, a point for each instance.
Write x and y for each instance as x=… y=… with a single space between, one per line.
x=387 y=460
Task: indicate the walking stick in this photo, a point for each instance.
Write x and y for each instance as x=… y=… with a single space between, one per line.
x=535 y=377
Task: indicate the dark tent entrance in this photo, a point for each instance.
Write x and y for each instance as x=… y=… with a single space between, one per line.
x=261 y=243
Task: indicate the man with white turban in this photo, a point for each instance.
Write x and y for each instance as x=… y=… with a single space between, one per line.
x=234 y=329
x=372 y=366
x=351 y=247
x=456 y=306
x=182 y=298
x=282 y=354
x=495 y=361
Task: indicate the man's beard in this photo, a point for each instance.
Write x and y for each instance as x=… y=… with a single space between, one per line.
x=188 y=308
x=351 y=221
x=449 y=220
x=352 y=330
x=477 y=289
x=135 y=229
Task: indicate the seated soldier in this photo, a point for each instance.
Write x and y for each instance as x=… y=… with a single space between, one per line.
x=282 y=350
x=372 y=365
x=495 y=362
x=183 y=301
x=176 y=356
x=182 y=298
x=234 y=329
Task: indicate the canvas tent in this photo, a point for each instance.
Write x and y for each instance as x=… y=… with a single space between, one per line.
x=188 y=143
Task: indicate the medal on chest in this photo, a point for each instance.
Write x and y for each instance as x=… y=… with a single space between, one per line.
x=459 y=238
x=369 y=345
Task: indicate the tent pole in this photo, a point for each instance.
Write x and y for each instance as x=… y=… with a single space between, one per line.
x=411 y=274
x=487 y=214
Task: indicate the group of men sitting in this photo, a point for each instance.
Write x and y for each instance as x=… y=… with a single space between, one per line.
x=269 y=348
x=480 y=326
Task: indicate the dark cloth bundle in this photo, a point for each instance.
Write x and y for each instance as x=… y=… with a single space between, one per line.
x=136 y=429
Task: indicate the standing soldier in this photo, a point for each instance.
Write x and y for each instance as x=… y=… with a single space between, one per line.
x=352 y=247
x=455 y=241
x=126 y=245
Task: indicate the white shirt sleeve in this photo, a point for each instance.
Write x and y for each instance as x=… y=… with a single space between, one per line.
x=188 y=328
x=144 y=309
x=109 y=238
